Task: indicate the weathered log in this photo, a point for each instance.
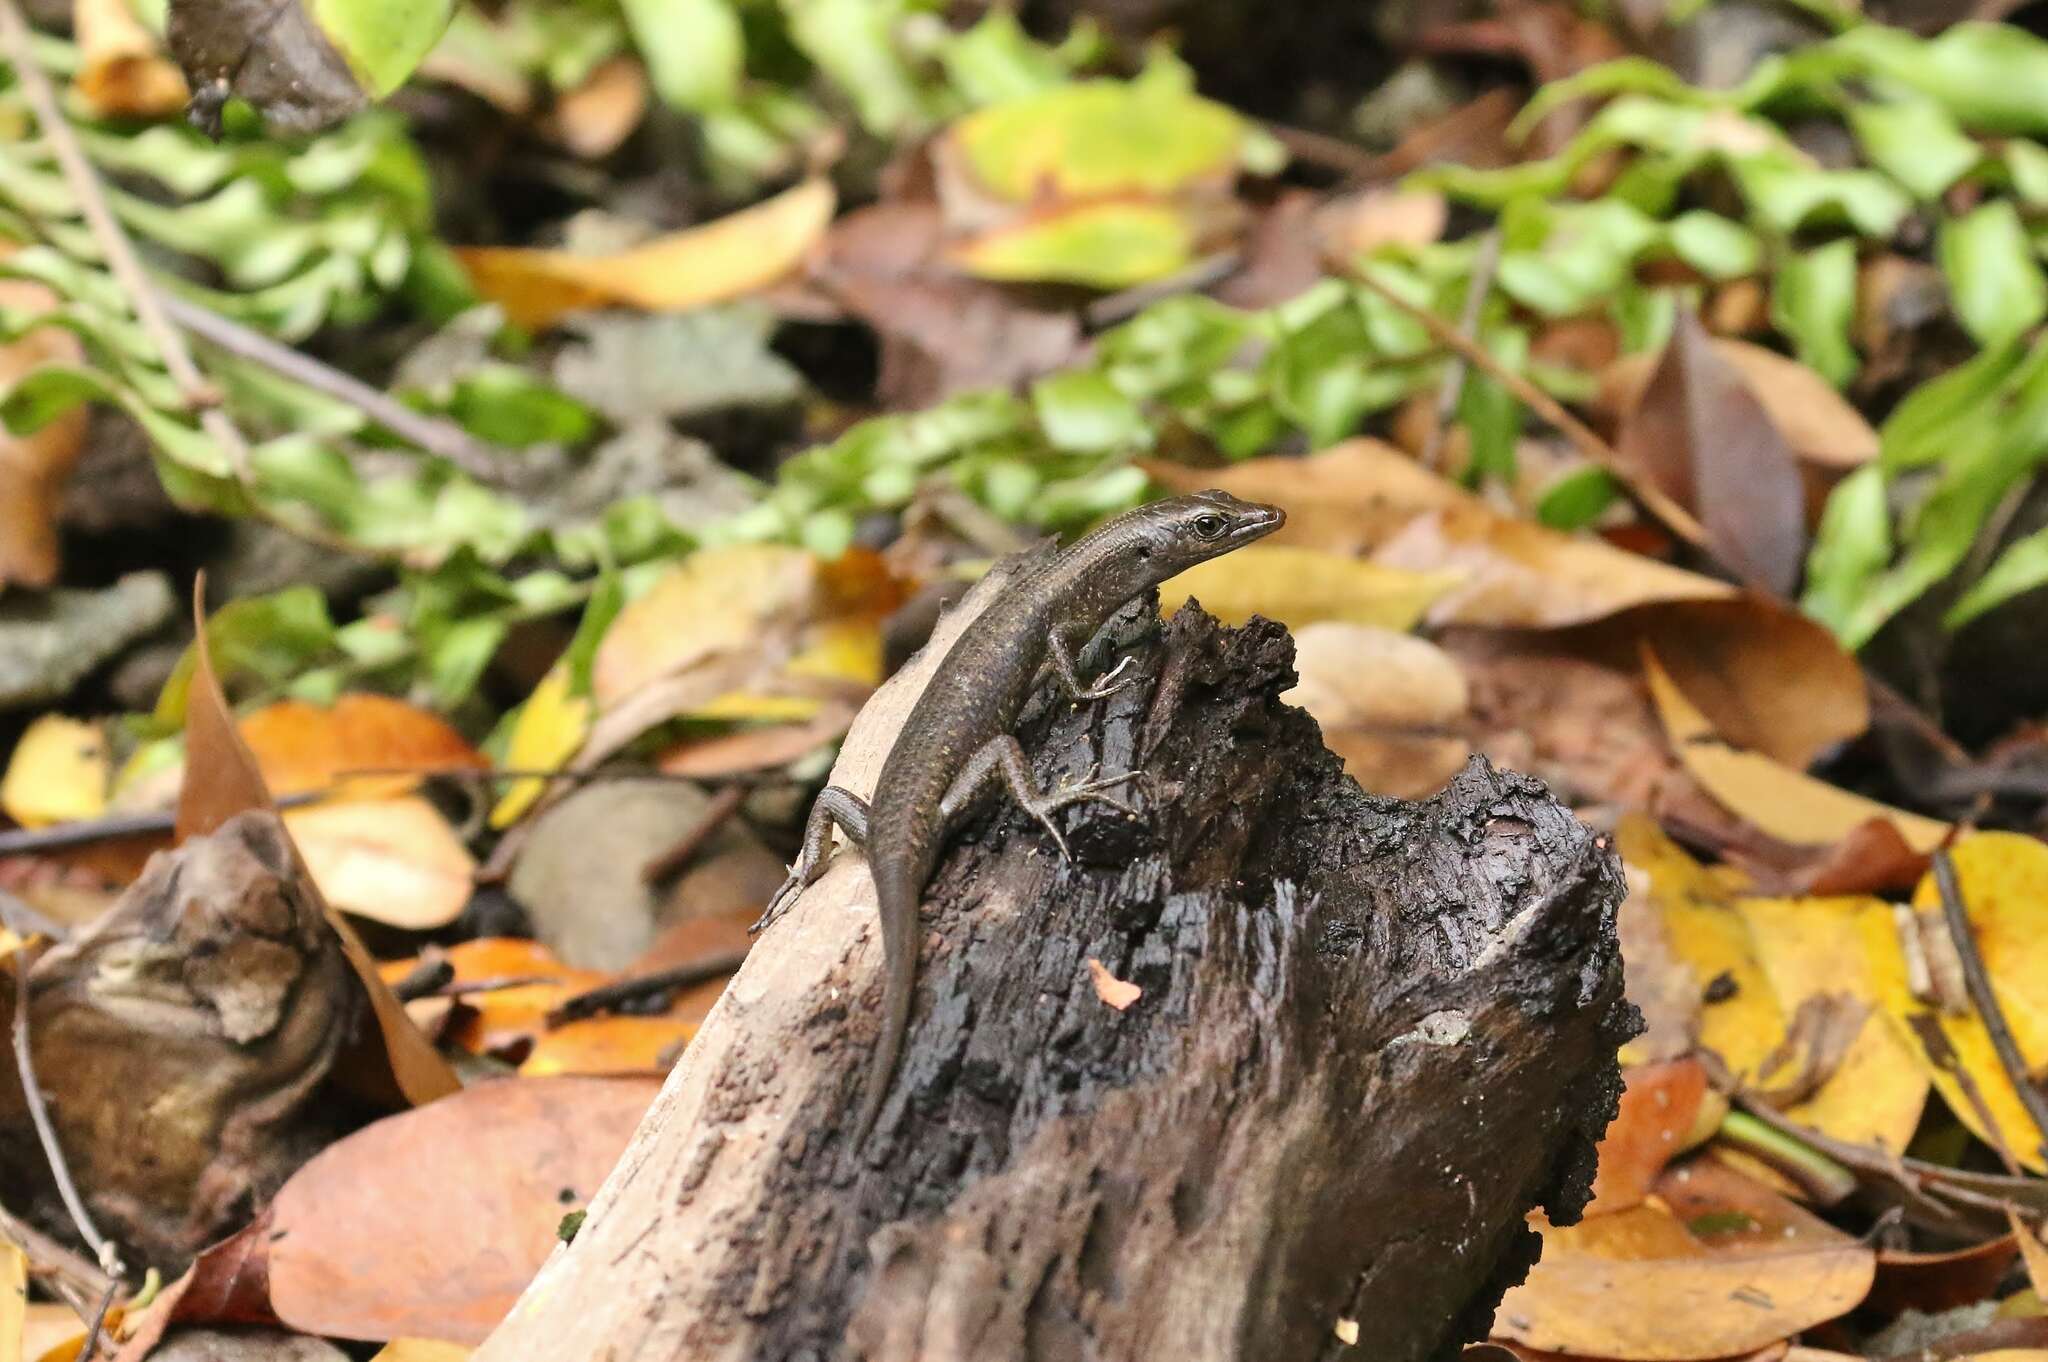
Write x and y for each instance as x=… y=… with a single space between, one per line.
x=1371 y=1036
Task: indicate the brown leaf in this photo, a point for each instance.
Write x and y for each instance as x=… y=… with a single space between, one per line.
x=757 y=747
x=1784 y=802
x=1714 y=1265
x=33 y=468
x=1872 y=858
x=941 y=332
x=432 y=1222
x=221 y=780
x=1759 y=668
x=227 y=1284
x=1816 y=421
x=1702 y=435
x=1933 y=1282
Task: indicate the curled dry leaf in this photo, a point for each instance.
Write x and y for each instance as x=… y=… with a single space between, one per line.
x=1712 y=1266
x=1816 y=420
x=122 y=71
x=1757 y=667
x=1117 y=993
x=222 y=780
x=479 y=1182
x=1783 y=802
x=33 y=468
x=729 y=258
x=1933 y=1282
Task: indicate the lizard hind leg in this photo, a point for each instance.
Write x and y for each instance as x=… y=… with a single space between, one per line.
x=835 y=807
x=1003 y=758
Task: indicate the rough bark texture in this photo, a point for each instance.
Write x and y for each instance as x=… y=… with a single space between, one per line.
x=1372 y=1035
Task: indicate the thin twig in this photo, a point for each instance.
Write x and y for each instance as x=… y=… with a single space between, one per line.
x=670 y=863
x=1121 y=306
x=113 y=828
x=1986 y=998
x=441 y=438
x=99 y=1324
x=198 y=395
x=1673 y=516
x=605 y=997
x=46 y=1130
x=1476 y=290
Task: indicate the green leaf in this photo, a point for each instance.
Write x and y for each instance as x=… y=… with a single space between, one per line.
x=384 y=41
x=1103 y=245
x=1082 y=410
x=1956 y=408
x=1578 y=498
x=1916 y=142
x=853 y=42
x=1994 y=279
x=1492 y=416
x=457 y=658
x=2027 y=163
x=694 y=50
x=1993 y=77
x=1089 y=139
x=267 y=639
x=1814 y=303
x=1788 y=196
x=1851 y=547
x=1715 y=246
x=996 y=60
x=2021 y=567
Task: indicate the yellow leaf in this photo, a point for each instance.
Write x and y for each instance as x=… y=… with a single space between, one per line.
x=1789 y=805
x=13 y=1300
x=717 y=601
x=1812 y=947
x=848 y=649
x=2003 y=878
x=393 y=860
x=58 y=773
x=1299 y=587
x=735 y=255
x=752 y=706
x=549 y=730
x=1706 y=933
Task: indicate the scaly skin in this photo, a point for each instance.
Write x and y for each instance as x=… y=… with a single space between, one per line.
x=956 y=740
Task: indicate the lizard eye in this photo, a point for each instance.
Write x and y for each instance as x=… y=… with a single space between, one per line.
x=1208 y=526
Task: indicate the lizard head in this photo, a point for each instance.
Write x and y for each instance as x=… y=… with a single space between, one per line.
x=1181 y=531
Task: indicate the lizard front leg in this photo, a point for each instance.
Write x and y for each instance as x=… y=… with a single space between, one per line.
x=835 y=807
x=1060 y=662
x=1002 y=757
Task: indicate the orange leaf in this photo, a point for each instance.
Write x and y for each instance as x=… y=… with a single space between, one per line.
x=304 y=747
x=478 y=1182
x=711 y=263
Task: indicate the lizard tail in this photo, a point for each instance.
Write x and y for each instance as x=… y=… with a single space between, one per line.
x=898 y=904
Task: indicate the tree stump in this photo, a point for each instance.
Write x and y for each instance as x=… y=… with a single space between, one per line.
x=1368 y=1037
